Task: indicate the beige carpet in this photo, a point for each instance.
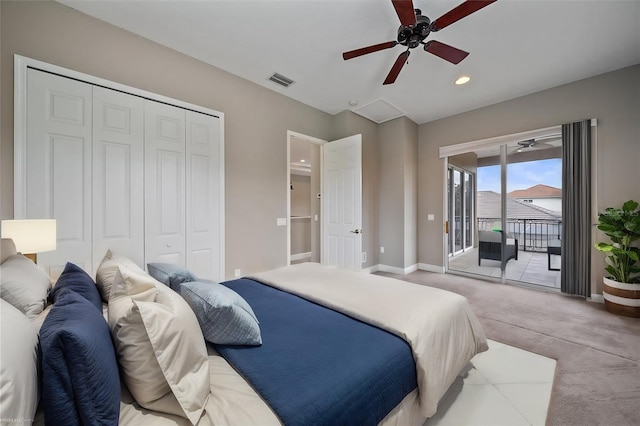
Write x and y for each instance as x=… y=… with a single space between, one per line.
x=597 y=379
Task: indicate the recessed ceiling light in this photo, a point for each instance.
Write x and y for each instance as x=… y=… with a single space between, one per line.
x=353 y=102
x=463 y=80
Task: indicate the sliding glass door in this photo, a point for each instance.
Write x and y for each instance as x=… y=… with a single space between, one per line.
x=504 y=207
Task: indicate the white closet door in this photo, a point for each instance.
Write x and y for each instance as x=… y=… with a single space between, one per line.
x=58 y=170
x=164 y=142
x=118 y=175
x=203 y=195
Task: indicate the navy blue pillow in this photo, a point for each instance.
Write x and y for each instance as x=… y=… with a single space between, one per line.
x=75 y=278
x=80 y=379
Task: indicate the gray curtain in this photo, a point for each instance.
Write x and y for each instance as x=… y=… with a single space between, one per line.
x=576 y=208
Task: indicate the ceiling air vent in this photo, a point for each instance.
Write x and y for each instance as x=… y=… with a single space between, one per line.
x=281 y=80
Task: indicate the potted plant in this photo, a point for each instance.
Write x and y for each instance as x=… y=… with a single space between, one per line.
x=621 y=288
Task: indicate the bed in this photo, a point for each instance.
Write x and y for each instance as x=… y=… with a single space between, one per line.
x=219 y=383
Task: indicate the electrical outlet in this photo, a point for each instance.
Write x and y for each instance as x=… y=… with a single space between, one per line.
x=381 y=249
x=237 y=272
x=364 y=256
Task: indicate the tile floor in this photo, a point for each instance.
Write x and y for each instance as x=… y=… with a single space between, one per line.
x=502 y=386
x=531 y=267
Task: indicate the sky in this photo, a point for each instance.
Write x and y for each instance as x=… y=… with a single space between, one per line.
x=522 y=175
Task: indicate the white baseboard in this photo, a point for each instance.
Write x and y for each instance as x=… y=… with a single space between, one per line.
x=370 y=269
x=431 y=268
x=596 y=298
x=397 y=270
x=410 y=269
x=300 y=256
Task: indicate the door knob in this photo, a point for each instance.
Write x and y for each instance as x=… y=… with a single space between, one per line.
x=357 y=231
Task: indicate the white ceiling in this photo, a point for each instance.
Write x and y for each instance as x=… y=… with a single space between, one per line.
x=516 y=46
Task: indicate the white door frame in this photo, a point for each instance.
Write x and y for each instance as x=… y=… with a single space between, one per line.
x=291 y=134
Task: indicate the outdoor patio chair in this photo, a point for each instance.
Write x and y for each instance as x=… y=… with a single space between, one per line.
x=490 y=247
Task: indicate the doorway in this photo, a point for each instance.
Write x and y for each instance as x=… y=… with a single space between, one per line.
x=331 y=206
x=304 y=201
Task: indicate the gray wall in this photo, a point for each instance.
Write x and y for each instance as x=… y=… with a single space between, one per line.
x=398 y=192
x=613 y=98
x=410 y=193
x=256 y=119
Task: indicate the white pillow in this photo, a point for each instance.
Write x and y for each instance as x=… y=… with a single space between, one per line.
x=24 y=285
x=19 y=366
x=106 y=272
x=160 y=349
x=7 y=248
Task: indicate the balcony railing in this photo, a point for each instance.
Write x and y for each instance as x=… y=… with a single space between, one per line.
x=532 y=234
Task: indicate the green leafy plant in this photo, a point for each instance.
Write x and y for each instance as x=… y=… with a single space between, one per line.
x=622 y=225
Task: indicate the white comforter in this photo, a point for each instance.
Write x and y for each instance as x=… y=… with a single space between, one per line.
x=443 y=332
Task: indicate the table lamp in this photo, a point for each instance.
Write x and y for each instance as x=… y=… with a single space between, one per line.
x=31 y=236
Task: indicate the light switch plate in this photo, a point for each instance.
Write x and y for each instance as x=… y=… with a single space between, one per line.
x=281 y=221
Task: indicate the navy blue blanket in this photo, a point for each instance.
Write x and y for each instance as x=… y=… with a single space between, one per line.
x=317 y=366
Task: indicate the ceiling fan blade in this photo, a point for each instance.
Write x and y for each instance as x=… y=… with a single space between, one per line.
x=404 y=9
x=397 y=66
x=369 y=49
x=459 y=12
x=446 y=52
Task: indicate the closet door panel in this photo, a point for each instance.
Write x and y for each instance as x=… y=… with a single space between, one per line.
x=118 y=176
x=164 y=183
x=58 y=170
x=203 y=195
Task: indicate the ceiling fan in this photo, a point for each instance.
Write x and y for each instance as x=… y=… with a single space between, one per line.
x=534 y=144
x=415 y=28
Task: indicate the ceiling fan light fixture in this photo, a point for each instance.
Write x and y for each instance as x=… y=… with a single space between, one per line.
x=463 y=80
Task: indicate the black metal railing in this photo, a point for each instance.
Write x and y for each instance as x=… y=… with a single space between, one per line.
x=532 y=234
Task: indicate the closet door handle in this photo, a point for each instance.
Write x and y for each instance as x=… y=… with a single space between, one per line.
x=357 y=231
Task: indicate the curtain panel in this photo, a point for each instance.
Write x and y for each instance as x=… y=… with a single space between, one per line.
x=576 y=209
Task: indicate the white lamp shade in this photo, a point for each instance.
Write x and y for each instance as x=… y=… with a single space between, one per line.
x=31 y=235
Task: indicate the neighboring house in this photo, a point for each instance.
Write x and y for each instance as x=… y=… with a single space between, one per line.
x=540 y=195
x=531 y=224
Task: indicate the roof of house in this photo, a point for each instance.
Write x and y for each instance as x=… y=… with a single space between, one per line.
x=537 y=191
x=489 y=206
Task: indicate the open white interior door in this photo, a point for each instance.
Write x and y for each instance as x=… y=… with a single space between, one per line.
x=342 y=204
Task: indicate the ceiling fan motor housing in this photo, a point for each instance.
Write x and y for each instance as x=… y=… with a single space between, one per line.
x=411 y=36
